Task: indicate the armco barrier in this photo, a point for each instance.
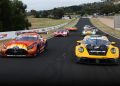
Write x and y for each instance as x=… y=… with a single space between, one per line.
x=13 y=34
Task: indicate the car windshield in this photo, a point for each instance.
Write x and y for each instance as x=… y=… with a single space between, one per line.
x=26 y=38
x=96 y=41
x=89 y=29
x=60 y=31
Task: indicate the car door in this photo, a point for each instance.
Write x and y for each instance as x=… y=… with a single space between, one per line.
x=41 y=42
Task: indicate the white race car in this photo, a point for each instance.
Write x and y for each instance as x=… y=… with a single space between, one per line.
x=88 y=30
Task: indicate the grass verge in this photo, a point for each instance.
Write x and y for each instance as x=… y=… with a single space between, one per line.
x=105 y=28
x=45 y=22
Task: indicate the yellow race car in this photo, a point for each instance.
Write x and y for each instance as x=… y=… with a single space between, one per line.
x=96 y=48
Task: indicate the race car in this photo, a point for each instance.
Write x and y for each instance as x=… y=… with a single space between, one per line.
x=61 y=33
x=24 y=45
x=96 y=48
x=88 y=30
x=72 y=29
x=86 y=27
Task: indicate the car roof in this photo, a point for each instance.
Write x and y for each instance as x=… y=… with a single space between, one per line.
x=87 y=25
x=96 y=37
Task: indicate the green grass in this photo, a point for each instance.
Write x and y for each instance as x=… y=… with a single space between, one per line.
x=45 y=22
x=105 y=28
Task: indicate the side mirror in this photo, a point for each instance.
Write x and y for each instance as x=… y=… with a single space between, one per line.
x=79 y=42
x=113 y=43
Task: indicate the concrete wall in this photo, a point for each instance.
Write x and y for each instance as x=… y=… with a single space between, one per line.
x=117 y=22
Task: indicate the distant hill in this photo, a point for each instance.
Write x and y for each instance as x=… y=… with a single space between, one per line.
x=101 y=8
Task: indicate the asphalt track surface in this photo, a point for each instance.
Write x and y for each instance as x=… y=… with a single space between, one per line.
x=55 y=66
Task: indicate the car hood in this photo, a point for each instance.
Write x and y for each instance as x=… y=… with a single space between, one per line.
x=96 y=47
x=20 y=44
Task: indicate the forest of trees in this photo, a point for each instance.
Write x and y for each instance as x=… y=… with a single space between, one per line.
x=104 y=7
x=13 y=15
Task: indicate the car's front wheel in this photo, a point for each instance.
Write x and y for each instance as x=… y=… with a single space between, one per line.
x=37 y=51
x=46 y=44
x=76 y=60
x=116 y=61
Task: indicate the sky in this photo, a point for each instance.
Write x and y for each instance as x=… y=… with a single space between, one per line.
x=50 y=4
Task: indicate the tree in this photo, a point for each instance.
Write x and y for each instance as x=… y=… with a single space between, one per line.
x=5 y=15
x=35 y=13
x=112 y=0
x=13 y=15
x=44 y=14
x=19 y=17
x=58 y=13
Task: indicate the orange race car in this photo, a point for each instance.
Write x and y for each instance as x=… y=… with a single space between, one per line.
x=72 y=29
x=27 y=44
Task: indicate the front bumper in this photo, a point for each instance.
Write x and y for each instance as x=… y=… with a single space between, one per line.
x=29 y=53
x=98 y=61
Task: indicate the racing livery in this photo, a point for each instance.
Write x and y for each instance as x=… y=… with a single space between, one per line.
x=27 y=44
x=61 y=33
x=98 y=48
x=88 y=30
x=72 y=29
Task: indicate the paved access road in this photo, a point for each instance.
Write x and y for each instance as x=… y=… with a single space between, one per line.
x=55 y=66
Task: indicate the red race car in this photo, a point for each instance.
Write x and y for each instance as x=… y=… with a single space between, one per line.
x=27 y=44
x=61 y=33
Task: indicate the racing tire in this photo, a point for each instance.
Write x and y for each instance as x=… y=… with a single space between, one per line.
x=76 y=60
x=116 y=61
x=37 y=51
x=46 y=44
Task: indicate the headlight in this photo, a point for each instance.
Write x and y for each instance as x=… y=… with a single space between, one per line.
x=113 y=50
x=81 y=49
x=31 y=46
x=93 y=32
x=84 y=32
